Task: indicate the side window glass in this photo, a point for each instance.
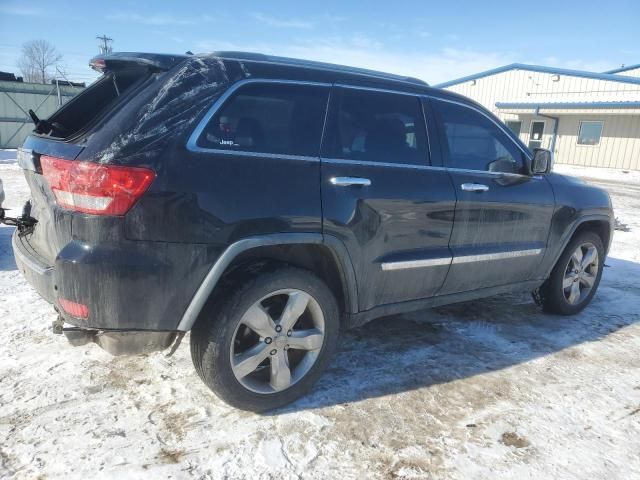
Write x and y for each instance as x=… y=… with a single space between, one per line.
x=377 y=126
x=269 y=118
x=474 y=142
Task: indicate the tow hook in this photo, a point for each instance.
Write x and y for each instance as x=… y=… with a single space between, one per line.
x=24 y=223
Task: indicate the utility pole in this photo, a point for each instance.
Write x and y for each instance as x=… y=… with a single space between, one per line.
x=105 y=46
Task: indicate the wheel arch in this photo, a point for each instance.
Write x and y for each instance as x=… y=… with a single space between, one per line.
x=324 y=255
x=599 y=224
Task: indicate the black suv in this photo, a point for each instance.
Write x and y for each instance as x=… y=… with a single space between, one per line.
x=262 y=203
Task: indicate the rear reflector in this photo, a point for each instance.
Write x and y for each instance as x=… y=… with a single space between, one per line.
x=95 y=188
x=74 y=309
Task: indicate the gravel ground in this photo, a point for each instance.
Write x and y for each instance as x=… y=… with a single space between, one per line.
x=484 y=389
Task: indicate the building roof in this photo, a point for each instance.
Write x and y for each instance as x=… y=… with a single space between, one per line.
x=623 y=69
x=567 y=105
x=539 y=68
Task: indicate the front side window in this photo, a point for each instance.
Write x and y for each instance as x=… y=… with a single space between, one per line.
x=474 y=142
x=590 y=133
x=377 y=126
x=269 y=118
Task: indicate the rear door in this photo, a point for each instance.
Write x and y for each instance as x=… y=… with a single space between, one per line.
x=503 y=214
x=382 y=197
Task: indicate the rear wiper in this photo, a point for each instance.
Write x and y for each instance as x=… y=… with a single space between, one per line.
x=42 y=126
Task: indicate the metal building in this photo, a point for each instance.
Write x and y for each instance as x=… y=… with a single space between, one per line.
x=585 y=118
x=16 y=98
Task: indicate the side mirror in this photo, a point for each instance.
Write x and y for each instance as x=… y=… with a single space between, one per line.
x=541 y=163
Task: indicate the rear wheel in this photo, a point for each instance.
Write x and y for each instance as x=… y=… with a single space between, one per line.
x=575 y=278
x=269 y=342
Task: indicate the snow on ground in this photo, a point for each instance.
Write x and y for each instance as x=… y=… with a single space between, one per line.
x=486 y=389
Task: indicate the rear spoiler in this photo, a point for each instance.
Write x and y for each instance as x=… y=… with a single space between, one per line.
x=155 y=61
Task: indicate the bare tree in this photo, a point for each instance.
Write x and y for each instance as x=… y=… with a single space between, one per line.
x=38 y=56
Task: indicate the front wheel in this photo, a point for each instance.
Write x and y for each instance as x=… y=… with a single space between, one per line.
x=269 y=342
x=575 y=278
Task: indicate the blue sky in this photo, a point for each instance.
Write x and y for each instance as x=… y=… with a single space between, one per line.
x=433 y=41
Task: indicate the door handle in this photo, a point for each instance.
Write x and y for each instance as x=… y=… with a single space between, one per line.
x=348 y=181
x=474 y=187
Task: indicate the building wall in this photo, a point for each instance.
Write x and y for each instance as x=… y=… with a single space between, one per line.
x=620 y=143
x=16 y=98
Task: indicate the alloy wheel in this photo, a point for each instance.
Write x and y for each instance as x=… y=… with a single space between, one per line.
x=277 y=341
x=580 y=273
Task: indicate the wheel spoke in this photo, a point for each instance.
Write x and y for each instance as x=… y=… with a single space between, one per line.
x=590 y=257
x=311 y=339
x=293 y=310
x=280 y=372
x=246 y=362
x=258 y=320
x=574 y=296
x=588 y=279
x=568 y=281
x=577 y=257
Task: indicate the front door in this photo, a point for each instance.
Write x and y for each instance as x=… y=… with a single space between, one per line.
x=503 y=214
x=382 y=198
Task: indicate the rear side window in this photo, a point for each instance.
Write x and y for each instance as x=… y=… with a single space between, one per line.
x=474 y=142
x=269 y=118
x=377 y=126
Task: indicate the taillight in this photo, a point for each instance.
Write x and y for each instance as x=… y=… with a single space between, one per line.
x=95 y=188
x=78 y=310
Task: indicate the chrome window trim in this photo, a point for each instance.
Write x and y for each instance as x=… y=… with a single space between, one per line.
x=483 y=257
x=192 y=142
x=373 y=163
x=492 y=120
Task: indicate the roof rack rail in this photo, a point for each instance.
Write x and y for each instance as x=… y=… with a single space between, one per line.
x=296 y=62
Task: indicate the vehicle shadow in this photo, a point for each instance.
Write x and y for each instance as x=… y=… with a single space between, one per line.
x=7 y=262
x=414 y=351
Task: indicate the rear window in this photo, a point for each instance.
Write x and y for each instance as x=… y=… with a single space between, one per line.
x=93 y=103
x=269 y=118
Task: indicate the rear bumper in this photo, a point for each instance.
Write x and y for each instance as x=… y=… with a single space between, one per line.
x=37 y=273
x=126 y=285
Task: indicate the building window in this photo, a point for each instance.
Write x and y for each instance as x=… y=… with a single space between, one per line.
x=515 y=126
x=535 y=136
x=590 y=133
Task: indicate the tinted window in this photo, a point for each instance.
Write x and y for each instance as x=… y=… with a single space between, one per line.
x=377 y=126
x=269 y=118
x=474 y=142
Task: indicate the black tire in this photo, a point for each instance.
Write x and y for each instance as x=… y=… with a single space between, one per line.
x=213 y=336
x=552 y=292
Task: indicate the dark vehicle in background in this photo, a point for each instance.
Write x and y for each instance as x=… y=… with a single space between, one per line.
x=263 y=203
